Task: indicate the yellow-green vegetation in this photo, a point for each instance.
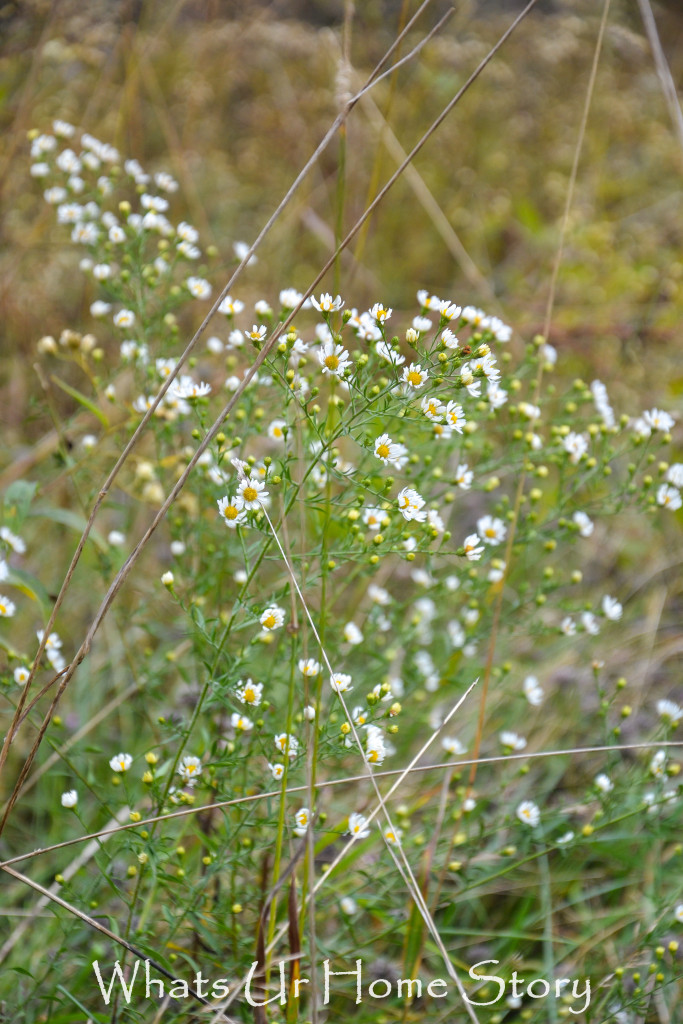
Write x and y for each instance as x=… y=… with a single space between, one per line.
x=357 y=635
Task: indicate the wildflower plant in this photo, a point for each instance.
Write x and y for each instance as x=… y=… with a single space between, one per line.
x=381 y=552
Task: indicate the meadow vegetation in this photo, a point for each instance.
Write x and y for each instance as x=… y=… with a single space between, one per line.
x=372 y=649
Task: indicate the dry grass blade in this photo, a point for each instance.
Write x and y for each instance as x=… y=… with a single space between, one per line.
x=666 y=80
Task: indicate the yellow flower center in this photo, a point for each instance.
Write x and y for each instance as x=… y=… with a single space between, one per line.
x=414 y=378
x=190 y=768
x=231 y=512
x=390 y=836
x=490 y=532
x=249 y=695
x=383 y=451
x=372 y=756
x=269 y=621
x=331 y=362
x=250 y=494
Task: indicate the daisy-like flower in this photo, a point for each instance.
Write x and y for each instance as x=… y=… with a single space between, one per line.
x=124 y=318
x=165 y=367
x=232 y=512
x=532 y=691
x=310 y=667
x=357 y=826
x=380 y=313
x=287 y=744
x=185 y=388
x=584 y=523
x=241 y=249
x=372 y=517
x=309 y=713
x=272 y=618
x=611 y=608
x=392 y=835
x=352 y=634
x=69 y=799
x=410 y=504
x=326 y=304
x=428 y=301
x=590 y=623
x=359 y=715
x=658 y=420
x=290 y=298
x=449 y=310
x=568 y=626
x=528 y=813
x=473 y=316
x=565 y=838
x=21 y=675
x=52 y=644
x=501 y=331
x=7 y=607
x=433 y=409
x=375 y=747
x=303 y=820
x=491 y=530
x=497 y=396
x=121 y=763
x=349 y=906
x=670 y=712
x=473 y=548
x=379 y=595
x=674 y=474
x=340 y=682
x=241 y=723
x=389 y=354
x=190 y=768
x=333 y=358
x=277 y=771
x=452 y=746
x=256 y=333
x=463 y=477
x=13 y=542
x=512 y=740
x=669 y=497
x=455 y=417
x=388 y=451
x=678 y=913
x=414 y=377
x=249 y=692
x=230 y=306
x=276 y=430
x=250 y=493
x=658 y=764
x=604 y=783
x=165 y=181
x=575 y=445
x=449 y=339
